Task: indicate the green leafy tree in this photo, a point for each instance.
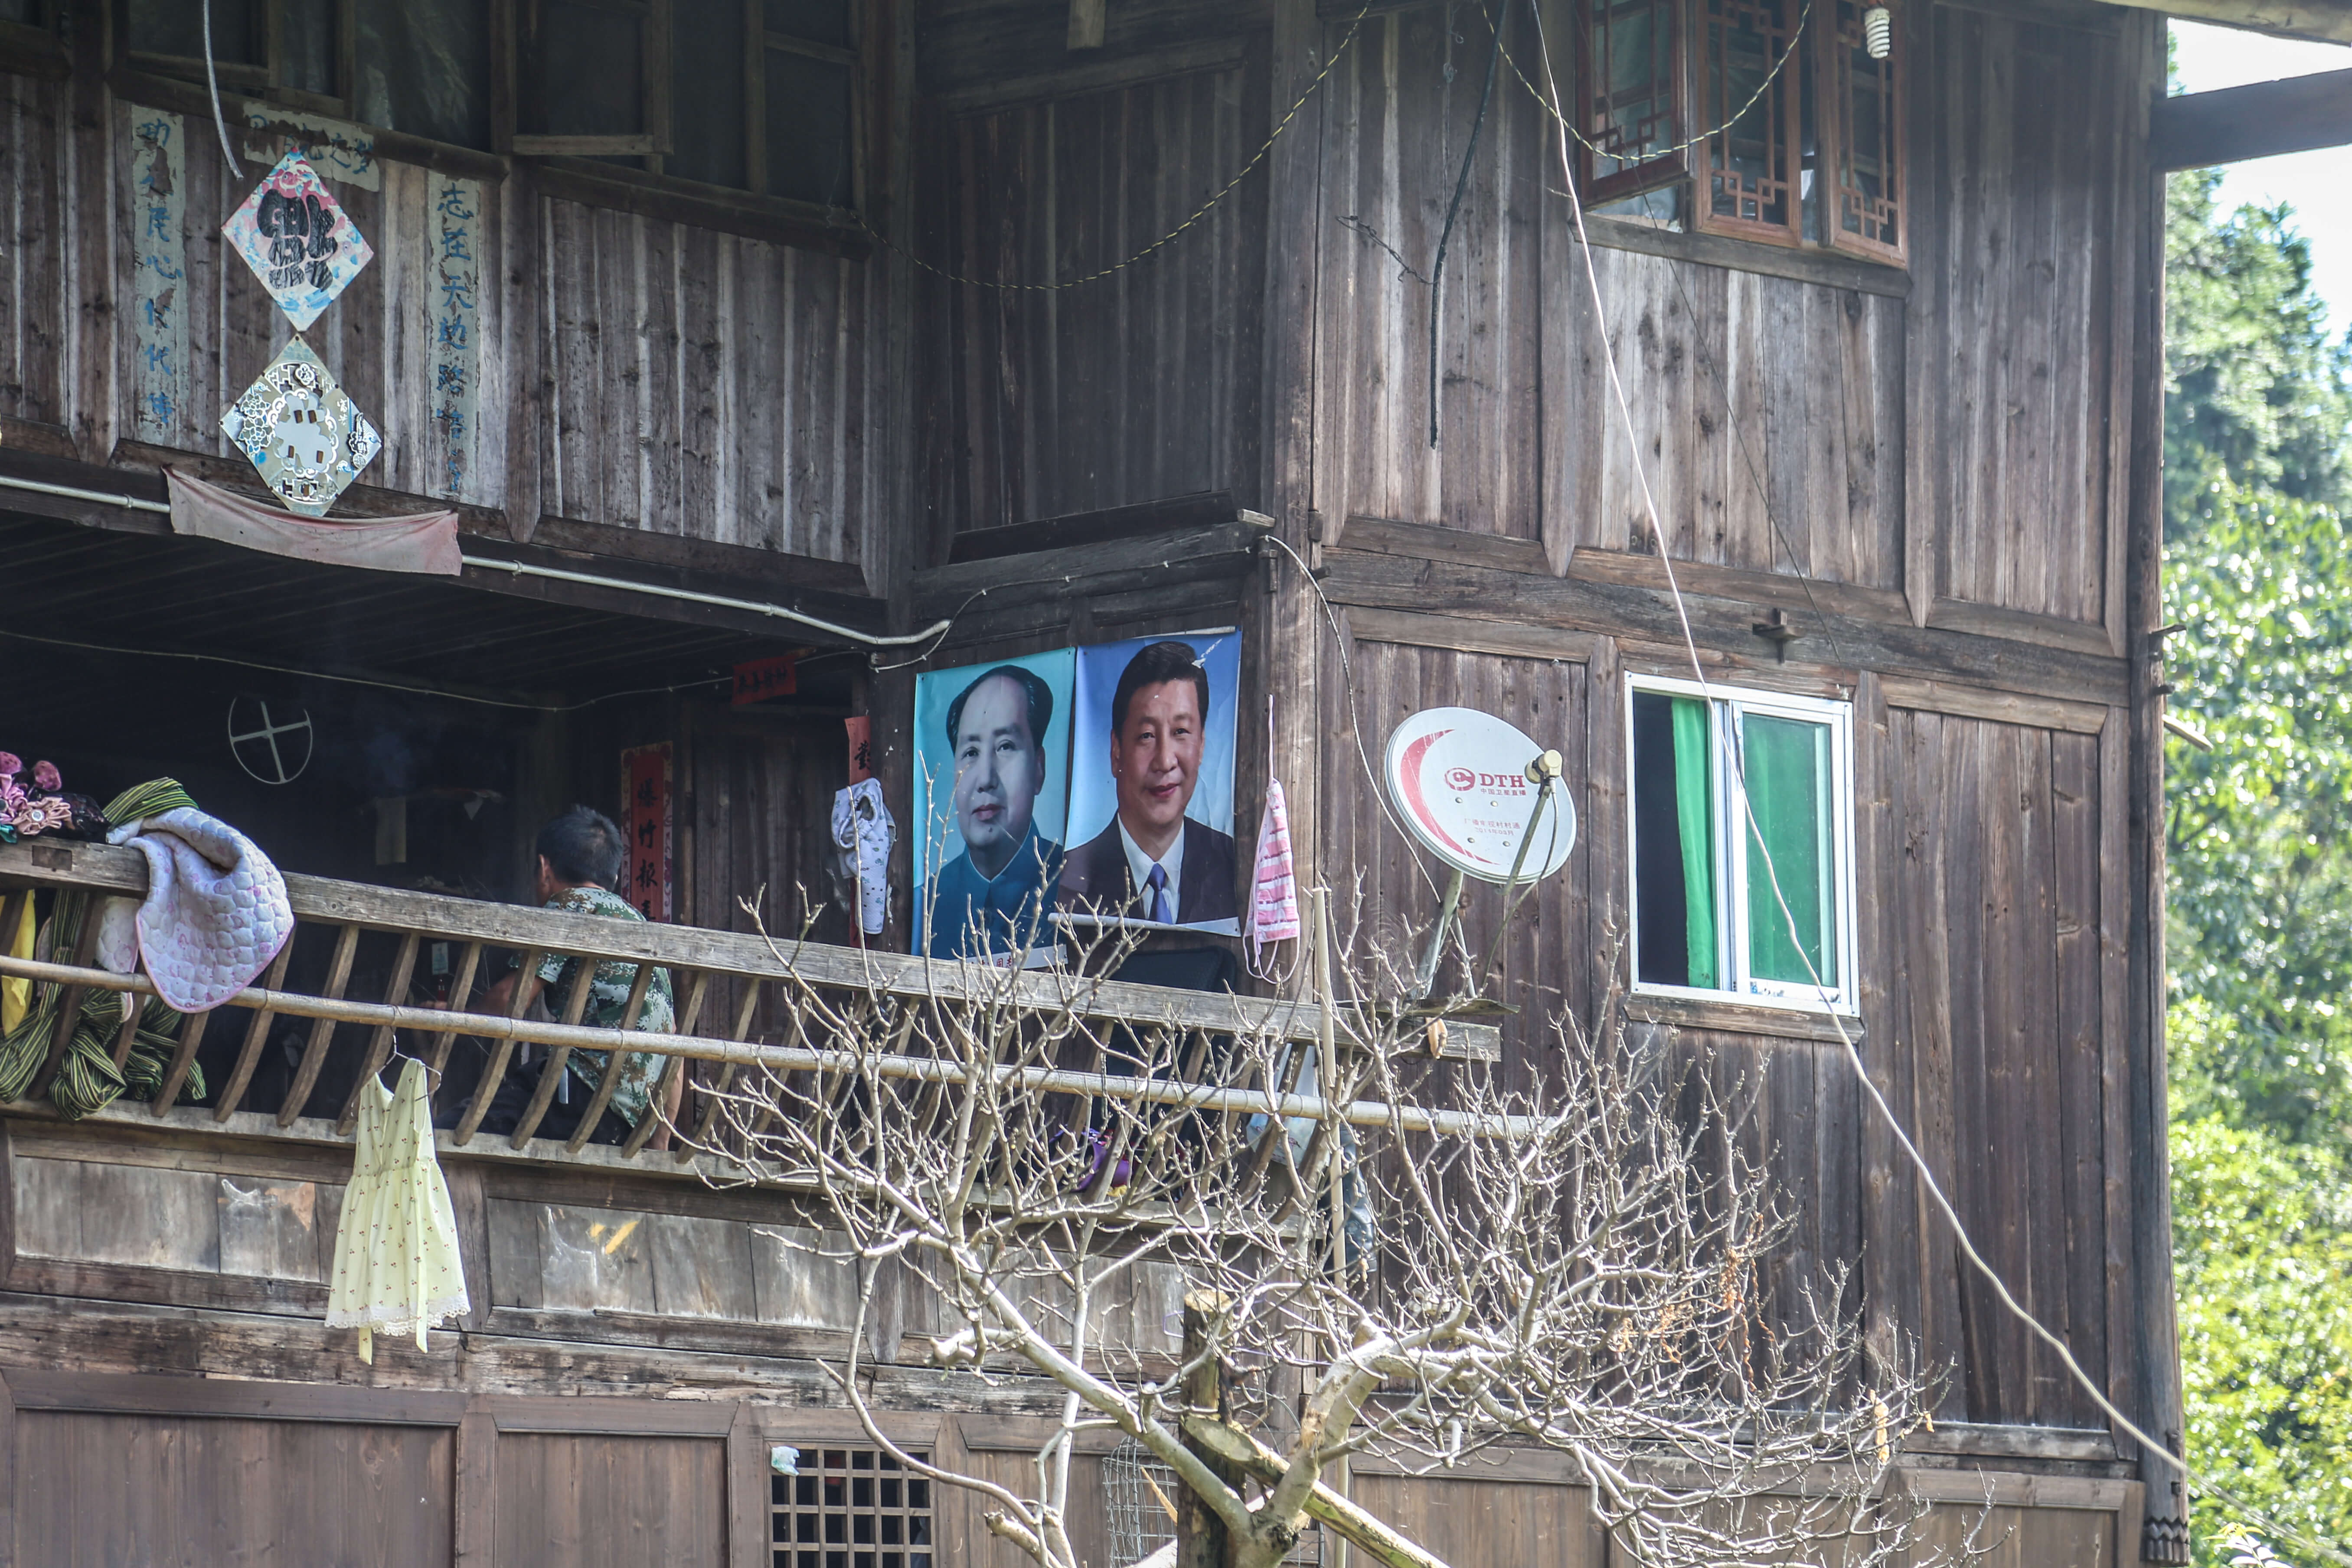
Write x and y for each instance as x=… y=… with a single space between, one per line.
x=2256 y=391
x=2258 y=458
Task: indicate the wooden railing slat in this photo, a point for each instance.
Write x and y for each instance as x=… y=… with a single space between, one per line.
x=61 y=1033
x=550 y=1074
x=744 y=1013
x=192 y=1034
x=461 y=990
x=322 y=1030
x=395 y=992
x=495 y=1069
x=249 y=1053
x=610 y=1078
x=672 y=1068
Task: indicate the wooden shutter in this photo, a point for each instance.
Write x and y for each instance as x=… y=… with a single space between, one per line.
x=1747 y=172
x=1869 y=186
x=1630 y=85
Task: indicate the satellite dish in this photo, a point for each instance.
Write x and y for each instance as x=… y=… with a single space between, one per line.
x=1459 y=779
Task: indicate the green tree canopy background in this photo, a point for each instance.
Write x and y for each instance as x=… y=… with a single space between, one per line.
x=2258 y=571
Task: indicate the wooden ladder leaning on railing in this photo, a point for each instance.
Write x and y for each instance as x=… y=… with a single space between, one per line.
x=698 y=959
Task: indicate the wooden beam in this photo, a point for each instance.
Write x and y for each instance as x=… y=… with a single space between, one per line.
x=2199 y=129
x=2329 y=20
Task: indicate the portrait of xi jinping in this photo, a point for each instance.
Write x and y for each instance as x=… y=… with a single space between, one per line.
x=992 y=898
x=1153 y=860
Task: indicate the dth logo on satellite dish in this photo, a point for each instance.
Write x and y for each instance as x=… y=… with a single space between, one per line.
x=1458 y=779
x=1462 y=781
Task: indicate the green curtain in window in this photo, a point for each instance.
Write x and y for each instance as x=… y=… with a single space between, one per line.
x=1788 y=769
x=1694 y=798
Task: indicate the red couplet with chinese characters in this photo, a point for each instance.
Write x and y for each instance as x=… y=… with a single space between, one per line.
x=762 y=679
x=646 y=791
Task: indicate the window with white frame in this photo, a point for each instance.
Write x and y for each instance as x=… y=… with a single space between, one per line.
x=1742 y=845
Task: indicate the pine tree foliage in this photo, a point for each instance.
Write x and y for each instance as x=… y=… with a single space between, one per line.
x=2257 y=460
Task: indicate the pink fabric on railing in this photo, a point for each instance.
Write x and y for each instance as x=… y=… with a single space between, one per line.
x=424 y=541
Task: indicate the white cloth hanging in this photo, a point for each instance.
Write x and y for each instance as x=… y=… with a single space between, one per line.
x=863 y=833
x=396 y=1264
x=1274 y=887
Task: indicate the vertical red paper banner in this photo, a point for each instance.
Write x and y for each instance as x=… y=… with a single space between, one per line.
x=861 y=747
x=645 y=797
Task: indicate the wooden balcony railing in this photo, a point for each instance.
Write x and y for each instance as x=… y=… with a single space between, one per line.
x=703 y=964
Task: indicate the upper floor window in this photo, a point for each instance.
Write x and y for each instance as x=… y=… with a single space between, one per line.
x=723 y=99
x=418 y=66
x=1768 y=119
x=758 y=96
x=1743 y=845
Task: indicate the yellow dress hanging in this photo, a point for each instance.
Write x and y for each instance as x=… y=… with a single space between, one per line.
x=396 y=1264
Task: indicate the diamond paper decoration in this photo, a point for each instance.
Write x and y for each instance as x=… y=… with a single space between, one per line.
x=301 y=431
x=297 y=240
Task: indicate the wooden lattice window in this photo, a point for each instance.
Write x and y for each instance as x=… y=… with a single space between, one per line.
x=422 y=67
x=1750 y=171
x=1632 y=89
x=760 y=96
x=1867 y=190
x=852 y=1508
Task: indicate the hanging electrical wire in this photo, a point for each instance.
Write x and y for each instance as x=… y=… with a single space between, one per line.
x=1461 y=184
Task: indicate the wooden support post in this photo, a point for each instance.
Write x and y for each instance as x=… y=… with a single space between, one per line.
x=249 y=1053
x=1199 y=1533
x=615 y=1062
x=673 y=1073
x=551 y=1072
x=322 y=1030
x=192 y=1034
x=395 y=995
x=477 y=1107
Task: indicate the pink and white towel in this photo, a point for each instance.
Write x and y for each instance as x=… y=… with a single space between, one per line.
x=1273 y=892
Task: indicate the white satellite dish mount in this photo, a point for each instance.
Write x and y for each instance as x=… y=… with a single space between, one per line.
x=1477 y=793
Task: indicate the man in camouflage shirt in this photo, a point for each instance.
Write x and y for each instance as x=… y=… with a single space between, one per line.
x=580 y=856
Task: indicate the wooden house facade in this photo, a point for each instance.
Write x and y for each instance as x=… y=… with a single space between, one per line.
x=1061 y=320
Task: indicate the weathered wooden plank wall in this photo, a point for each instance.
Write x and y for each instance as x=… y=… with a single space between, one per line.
x=146 y=1488
x=1402 y=102
x=1768 y=413
x=571 y=1500
x=1037 y=402
x=2021 y=417
x=668 y=379
x=1996 y=1012
x=38 y=288
x=717 y=387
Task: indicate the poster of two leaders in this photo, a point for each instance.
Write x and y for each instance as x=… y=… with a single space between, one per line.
x=1095 y=782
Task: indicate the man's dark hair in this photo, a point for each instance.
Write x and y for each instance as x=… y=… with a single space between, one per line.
x=1032 y=686
x=1152 y=664
x=583 y=846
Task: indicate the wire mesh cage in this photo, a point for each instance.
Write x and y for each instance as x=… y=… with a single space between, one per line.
x=1139 y=1496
